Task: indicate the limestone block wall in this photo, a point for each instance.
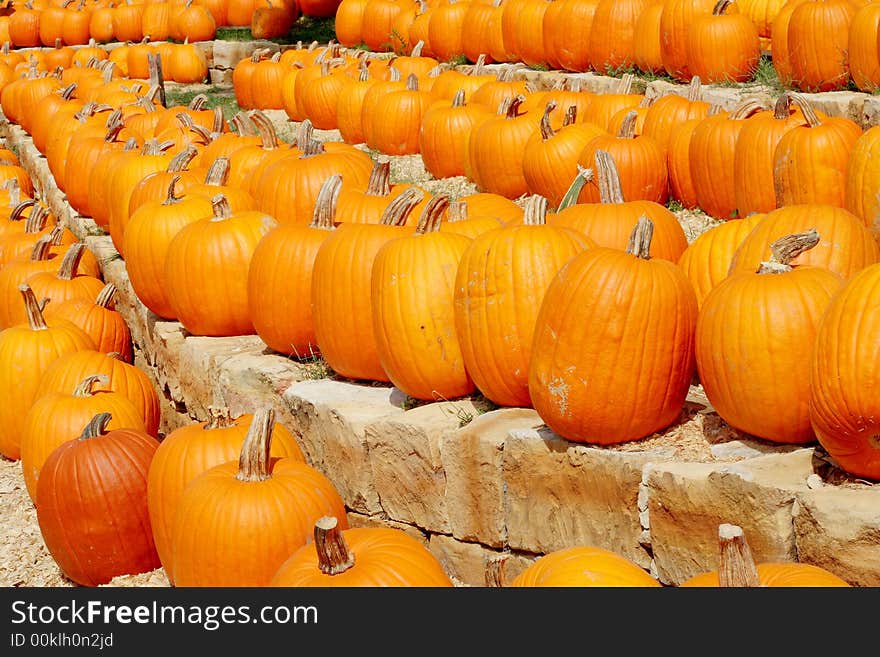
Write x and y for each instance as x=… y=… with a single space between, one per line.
x=474 y=483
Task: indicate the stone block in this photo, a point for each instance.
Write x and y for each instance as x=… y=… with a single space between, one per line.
x=332 y=416
x=473 y=458
x=405 y=458
x=688 y=501
x=838 y=528
x=467 y=563
x=226 y=54
x=561 y=494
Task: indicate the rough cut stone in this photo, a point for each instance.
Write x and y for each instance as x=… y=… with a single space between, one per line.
x=473 y=458
x=839 y=529
x=561 y=494
x=688 y=501
x=226 y=54
x=332 y=416
x=405 y=458
x=467 y=563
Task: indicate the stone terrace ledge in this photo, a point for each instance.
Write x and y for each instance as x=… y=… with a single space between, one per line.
x=503 y=483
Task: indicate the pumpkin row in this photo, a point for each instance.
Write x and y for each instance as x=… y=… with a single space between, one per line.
x=815 y=45
x=511 y=140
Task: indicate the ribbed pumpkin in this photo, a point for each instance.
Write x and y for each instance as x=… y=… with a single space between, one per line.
x=444 y=132
x=399 y=136
x=550 y=157
x=845 y=244
x=671 y=110
x=206 y=267
x=753 y=155
x=675 y=23
x=723 y=46
x=810 y=161
x=148 y=234
x=495 y=315
x=862 y=180
x=342 y=307
x=190 y=450
x=610 y=221
x=56 y=417
x=613 y=33
x=737 y=568
x=412 y=286
x=237 y=522
x=706 y=260
x=817 y=40
x=639 y=160
x=495 y=150
x=755 y=336
x=92 y=504
x=26 y=351
x=281 y=268
x=68 y=370
x=712 y=159
x=584 y=566
x=609 y=317
x=99 y=318
x=360 y=556
x=843 y=376
x=678 y=162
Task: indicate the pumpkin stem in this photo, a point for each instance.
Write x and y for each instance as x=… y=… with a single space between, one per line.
x=736 y=565
x=96 y=427
x=535 y=210
x=35 y=318
x=626 y=83
x=70 y=263
x=325 y=203
x=84 y=388
x=458 y=98
x=640 y=238
x=628 y=126
x=218 y=418
x=42 y=247
x=220 y=208
x=720 y=7
x=457 y=211
x=265 y=129
x=334 y=557
x=570 y=117
x=432 y=214
x=607 y=178
x=106 y=296
x=807 y=108
x=14 y=190
x=745 y=109
x=573 y=192
x=182 y=160
x=379 y=183
x=253 y=463
x=218 y=172
x=546 y=128
x=198 y=102
x=37 y=220
x=304 y=134
x=786 y=249
x=243 y=124
x=695 y=90
x=396 y=212
x=782 y=108
x=16 y=213
x=170 y=198
x=495 y=567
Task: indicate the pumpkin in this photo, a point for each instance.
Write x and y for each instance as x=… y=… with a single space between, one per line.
x=237 y=522
x=863 y=56
x=412 y=284
x=723 y=46
x=843 y=374
x=281 y=268
x=444 y=132
x=817 y=39
x=360 y=556
x=706 y=260
x=609 y=222
x=676 y=20
x=845 y=244
x=607 y=317
x=399 y=136
x=612 y=36
x=671 y=110
x=862 y=178
x=206 y=267
x=56 y=417
x=26 y=352
x=573 y=44
x=342 y=308
x=99 y=318
x=586 y=565
x=190 y=450
x=92 y=504
x=755 y=337
x=69 y=369
x=811 y=160
x=150 y=229
x=737 y=568
x=494 y=315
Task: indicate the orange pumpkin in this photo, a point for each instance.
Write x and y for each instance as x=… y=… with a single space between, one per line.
x=237 y=522
x=360 y=556
x=584 y=566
